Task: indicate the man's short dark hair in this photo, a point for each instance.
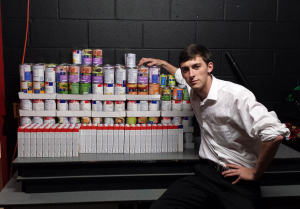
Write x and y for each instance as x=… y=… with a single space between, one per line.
x=194 y=50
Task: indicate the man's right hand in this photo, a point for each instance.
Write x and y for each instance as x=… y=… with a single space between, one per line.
x=151 y=61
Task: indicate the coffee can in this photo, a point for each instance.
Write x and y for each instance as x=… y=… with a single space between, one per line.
x=120 y=120
x=38 y=104
x=74 y=105
x=97 y=74
x=98 y=121
x=85 y=73
x=131 y=88
x=153 y=89
x=85 y=105
x=120 y=74
x=50 y=104
x=143 y=74
x=74 y=71
x=85 y=120
x=132 y=105
x=108 y=106
x=26 y=87
x=49 y=120
x=38 y=120
x=63 y=88
x=25 y=120
x=109 y=89
x=74 y=88
x=87 y=56
x=109 y=74
x=76 y=54
x=165 y=120
x=97 y=56
x=109 y=121
x=97 y=106
x=50 y=87
x=74 y=120
x=166 y=105
x=25 y=72
x=142 y=88
x=132 y=73
x=63 y=120
x=176 y=105
x=38 y=71
x=142 y=105
x=85 y=88
x=154 y=72
x=119 y=106
x=97 y=88
x=130 y=60
x=62 y=105
x=186 y=105
x=153 y=105
x=26 y=104
x=50 y=73
x=120 y=89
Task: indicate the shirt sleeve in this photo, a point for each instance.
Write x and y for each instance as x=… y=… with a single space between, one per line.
x=256 y=119
x=181 y=80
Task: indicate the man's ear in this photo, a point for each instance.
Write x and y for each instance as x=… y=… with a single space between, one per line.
x=210 y=67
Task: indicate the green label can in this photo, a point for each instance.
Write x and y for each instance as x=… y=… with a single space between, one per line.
x=63 y=88
x=163 y=80
x=85 y=88
x=74 y=88
x=171 y=80
x=166 y=93
x=131 y=120
x=186 y=94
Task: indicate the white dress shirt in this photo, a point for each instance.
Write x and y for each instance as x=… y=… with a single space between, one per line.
x=232 y=123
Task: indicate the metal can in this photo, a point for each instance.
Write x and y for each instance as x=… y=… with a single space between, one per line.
x=26 y=87
x=74 y=105
x=38 y=87
x=109 y=89
x=98 y=121
x=177 y=120
x=132 y=105
x=132 y=73
x=153 y=120
x=97 y=57
x=186 y=95
x=62 y=105
x=49 y=120
x=166 y=93
x=38 y=71
x=176 y=105
x=166 y=105
x=25 y=72
x=154 y=72
x=130 y=60
x=38 y=104
x=76 y=54
x=153 y=89
x=186 y=105
x=63 y=120
x=25 y=120
x=38 y=120
x=26 y=104
x=85 y=73
x=97 y=88
x=85 y=105
x=177 y=93
x=50 y=87
x=120 y=89
x=163 y=80
x=143 y=74
x=188 y=137
x=120 y=74
x=97 y=106
x=50 y=104
x=142 y=88
x=153 y=105
x=165 y=120
x=120 y=120
x=85 y=120
x=97 y=74
x=63 y=88
x=109 y=74
x=131 y=88
x=119 y=106
x=74 y=73
x=87 y=56
x=187 y=121
x=142 y=120
x=171 y=80
x=63 y=72
x=74 y=88
x=50 y=73
x=131 y=120
x=109 y=121
x=85 y=88
x=142 y=105
x=74 y=120
x=108 y=106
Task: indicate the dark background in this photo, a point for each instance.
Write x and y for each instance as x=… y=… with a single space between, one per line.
x=262 y=36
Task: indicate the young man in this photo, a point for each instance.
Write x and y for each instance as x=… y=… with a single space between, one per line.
x=239 y=138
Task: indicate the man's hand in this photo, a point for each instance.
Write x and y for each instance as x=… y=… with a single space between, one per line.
x=151 y=61
x=243 y=173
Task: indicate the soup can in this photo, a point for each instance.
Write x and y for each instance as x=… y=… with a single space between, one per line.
x=63 y=72
x=97 y=57
x=50 y=104
x=153 y=105
x=109 y=74
x=97 y=106
x=120 y=120
x=131 y=120
x=26 y=87
x=166 y=105
x=74 y=88
x=74 y=105
x=76 y=55
x=63 y=88
x=142 y=120
x=177 y=93
x=142 y=88
x=49 y=120
x=50 y=87
x=143 y=74
x=130 y=60
x=97 y=74
x=109 y=121
x=38 y=87
x=171 y=80
x=85 y=73
x=177 y=120
x=120 y=74
x=85 y=88
x=98 y=121
x=25 y=72
x=38 y=71
x=131 y=88
x=38 y=120
x=142 y=106
x=166 y=93
x=25 y=120
x=74 y=71
x=153 y=89
x=119 y=106
x=132 y=73
x=38 y=104
x=97 y=88
x=132 y=105
x=50 y=73
x=26 y=104
x=154 y=72
x=186 y=105
x=87 y=56
x=120 y=89
x=62 y=105
x=108 y=106
x=165 y=120
x=85 y=105
x=74 y=120
x=176 y=105
x=163 y=80
x=85 y=120
x=153 y=120
x=63 y=120
x=109 y=89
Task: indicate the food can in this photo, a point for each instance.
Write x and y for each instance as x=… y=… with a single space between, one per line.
x=166 y=93
x=171 y=80
x=63 y=70
x=74 y=73
x=120 y=74
x=188 y=137
x=142 y=105
x=38 y=71
x=108 y=106
x=26 y=104
x=50 y=87
x=85 y=88
x=74 y=88
x=63 y=88
x=49 y=120
x=186 y=105
x=25 y=72
x=97 y=88
x=187 y=121
x=120 y=120
x=131 y=120
x=38 y=120
x=132 y=73
x=50 y=74
x=26 y=87
x=186 y=94
x=119 y=106
x=177 y=120
x=50 y=104
x=62 y=105
x=76 y=54
x=97 y=74
x=87 y=56
x=130 y=60
x=85 y=73
x=120 y=89
x=109 y=89
x=154 y=72
x=172 y=87
x=109 y=74
x=153 y=89
x=98 y=121
x=143 y=74
x=74 y=120
x=109 y=121
x=153 y=105
x=97 y=57
x=74 y=105
x=25 y=120
x=163 y=80
x=63 y=120
x=165 y=120
x=177 y=93
x=97 y=106
x=166 y=105
x=176 y=105
x=85 y=120
x=38 y=104
x=131 y=88
x=85 y=105
x=142 y=120
x=153 y=120
x=57 y=87
x=38 y=87
x=142 y=88
x=132 y=105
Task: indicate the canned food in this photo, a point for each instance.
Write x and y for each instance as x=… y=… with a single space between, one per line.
x=153 y=120
x=49 y=120
x=165 y=120
x=177 y=120
x=119 y=120
x=163 y=80
x=166 y=93
x=38 y=87
x=109 y=74
x=186 y=94
x=63 y=120
x=74 y=120
x=74 y=88
x=87 y=56
x=176 y=105
x=38 y=72
x=153 y=89
x=63 y=88
x=109 y=89
x=120 y=89
x=97 y=56
x=154 y=72
x=130 y=60
x=131 y=88
x=26 y=87
x=97 y=88
x=76 y=54
x=98 y=121
x=97 y=106
x=132 y=105
x=25 y=72
x=85 y=120
x=50 y=104
x=177 y=93
x=188 y=137
x=50 y=74
x=153 y=105
x=85 y=73
x=187 y=121
x=97 y=74
x=74 y=73
x=142 y=120
x=142 y=106
x=142 y=89
x=143 y=74
x=25 y=120
x=57 y=87
x=171 y=80
x=26 y=104
x=85 y=105
x=62 y=105
x=131 y=120
x=108 y=106
x=38 y=104
x=119 y=106
x=132 y=73
x=186 y=105
x=74 y=105
x=172 y=87
x=166 y=105
x=109 y=121
x=38 y=120
x=120 y=74
x=63 y=72
x=85 y=88
x=50 y=87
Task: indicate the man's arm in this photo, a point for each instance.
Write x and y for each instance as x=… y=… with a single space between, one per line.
x=150 y=61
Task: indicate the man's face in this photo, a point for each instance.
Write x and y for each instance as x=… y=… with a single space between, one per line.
x=195 y=72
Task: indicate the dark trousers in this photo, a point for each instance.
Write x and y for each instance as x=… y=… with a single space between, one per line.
x=209 y=189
